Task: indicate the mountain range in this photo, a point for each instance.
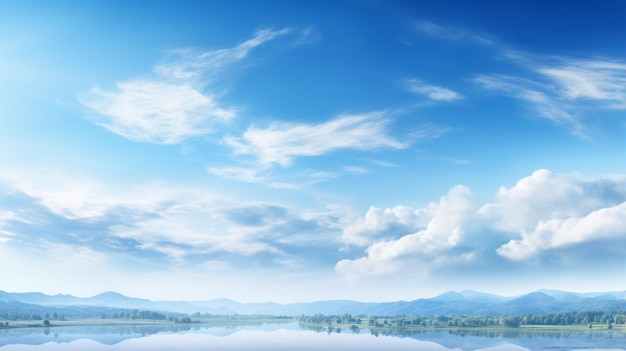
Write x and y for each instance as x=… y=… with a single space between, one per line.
x=450 y=303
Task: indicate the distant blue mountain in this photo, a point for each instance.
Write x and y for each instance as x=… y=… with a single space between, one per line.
x=450 y=303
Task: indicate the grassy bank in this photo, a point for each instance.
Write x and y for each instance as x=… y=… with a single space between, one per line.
x=365 y=324
x=225 y=320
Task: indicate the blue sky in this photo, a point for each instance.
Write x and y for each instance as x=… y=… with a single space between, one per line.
x=296 y=151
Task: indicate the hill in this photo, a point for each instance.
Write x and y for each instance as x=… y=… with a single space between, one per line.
x=450 y=303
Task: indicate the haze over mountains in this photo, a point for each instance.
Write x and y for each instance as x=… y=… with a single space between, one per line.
x=450 y=303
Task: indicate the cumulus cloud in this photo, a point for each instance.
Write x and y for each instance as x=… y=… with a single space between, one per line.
x=550 y=211
x=280 y=143
x=544 y=215
x=385 y=224
x=174 y=105
x=545 y=196
x=444 y=230
x=604 y=223
x=432 y=91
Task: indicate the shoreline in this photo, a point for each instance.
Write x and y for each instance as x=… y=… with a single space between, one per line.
x=95 y=322
x=523 y=328
x=229 y=320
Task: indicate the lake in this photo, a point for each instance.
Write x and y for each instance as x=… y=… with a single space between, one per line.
x=290 y=336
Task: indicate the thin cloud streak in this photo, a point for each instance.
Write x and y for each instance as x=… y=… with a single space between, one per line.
x=243 y=174
x=558 y=89
x=564 y=90
x=448 y=33
x=280 y=143
x=599 y=81
x=432 y=91
x=190 y=66
x=542 y=103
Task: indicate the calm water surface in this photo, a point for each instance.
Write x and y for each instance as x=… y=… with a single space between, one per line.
x=290 y=336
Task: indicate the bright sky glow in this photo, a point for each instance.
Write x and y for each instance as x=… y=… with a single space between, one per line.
x=307 y=150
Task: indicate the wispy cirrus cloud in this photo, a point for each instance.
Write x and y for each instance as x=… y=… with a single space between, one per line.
x=192 y=65
x=565 y=89
x=176 y=104
x=541 y=102
x=452 y=33
x=602 y=82
x=559 y=89
x=356 y=169
x=280 y=143
x=432 y=91
x=243 y=174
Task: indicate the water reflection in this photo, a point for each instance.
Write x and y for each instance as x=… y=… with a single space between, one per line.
x=291 y=336
x=114 y=334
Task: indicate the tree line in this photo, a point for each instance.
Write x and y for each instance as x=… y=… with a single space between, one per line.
x=565 y=318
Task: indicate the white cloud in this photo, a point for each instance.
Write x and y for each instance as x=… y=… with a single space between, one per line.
x=451 y=33
x=385 y=224
x=565 y=89
x=173 y=106
x=559 y=89
x=543 y=215
x=303 y=180
x=153 y=223
x=544 y=105
x=243 y=174
x=356 y=169
x=593 y=79
x=383 y=163
x=444 y=230
x=432 y=91
x=309 y=35
x=281 y=142
x=550 y=211
x=544 y=196
x=604 y=223
x=603 y=82
x=190 y=65
x=72 y=197
x=156 y=111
